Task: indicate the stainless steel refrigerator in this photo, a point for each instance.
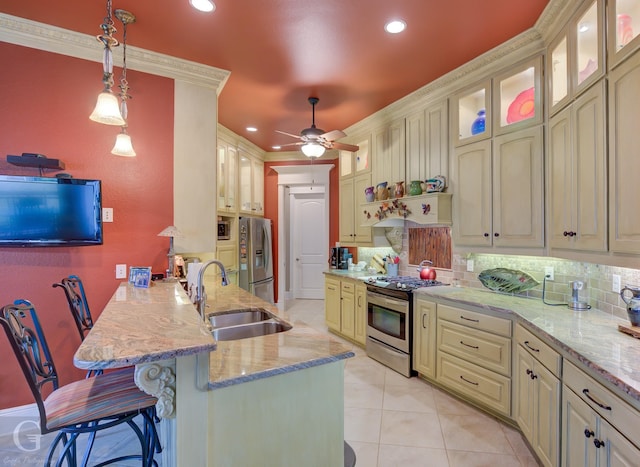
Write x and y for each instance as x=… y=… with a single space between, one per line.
x=256 y=259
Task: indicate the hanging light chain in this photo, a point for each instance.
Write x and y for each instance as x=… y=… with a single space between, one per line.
x=107 y=39
x=124 y=84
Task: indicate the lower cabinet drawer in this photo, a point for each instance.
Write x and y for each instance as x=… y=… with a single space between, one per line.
x=482 y=348
x=484 y=386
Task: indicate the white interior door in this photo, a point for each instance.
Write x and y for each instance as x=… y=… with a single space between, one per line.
x=309 y=245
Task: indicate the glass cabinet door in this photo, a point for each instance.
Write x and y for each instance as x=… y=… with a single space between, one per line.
x=517 y=97
x=558 y=72
x=362 y=157
x=588 y=45
x=472 y=114
x=346 y=163
x=624 y=26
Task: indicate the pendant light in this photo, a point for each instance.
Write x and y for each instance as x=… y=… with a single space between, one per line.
x=312 y=149
x=123 y=146
x=107 y=110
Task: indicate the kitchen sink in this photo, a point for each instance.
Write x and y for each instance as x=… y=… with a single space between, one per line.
x=244 y=331
x=237 y=317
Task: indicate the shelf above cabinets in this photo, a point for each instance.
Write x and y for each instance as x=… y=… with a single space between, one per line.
x=427 y=209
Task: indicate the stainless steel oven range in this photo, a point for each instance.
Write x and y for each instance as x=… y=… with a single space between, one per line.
x=390 y=320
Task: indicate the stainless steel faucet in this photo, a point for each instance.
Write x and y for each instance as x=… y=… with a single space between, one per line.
x=201 y=296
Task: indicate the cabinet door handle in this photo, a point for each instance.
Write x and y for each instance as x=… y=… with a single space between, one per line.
x=486 y=234
x=467 y=381
x=496 y=234
x=526 y=343
x=423 y=325
x=359 y=300
x=598 y=443
x=565 y=233
x=469 y=319
x=598 y=403
x=471 y=346
x=588 y=433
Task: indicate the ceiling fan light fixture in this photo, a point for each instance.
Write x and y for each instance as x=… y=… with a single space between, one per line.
x=203 y=5
x=312 y=149
x=395 y=26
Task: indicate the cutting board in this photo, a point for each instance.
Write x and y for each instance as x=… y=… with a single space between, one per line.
x=432 y=243
x=631 y=330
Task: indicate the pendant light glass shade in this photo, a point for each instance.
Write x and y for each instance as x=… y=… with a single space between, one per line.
x=312 y=149
x=107 y=110
x=123 y=146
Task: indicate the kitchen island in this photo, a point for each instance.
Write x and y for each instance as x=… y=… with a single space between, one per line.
x=269 y=400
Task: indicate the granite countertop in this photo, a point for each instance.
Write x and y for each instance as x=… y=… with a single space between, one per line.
x=590 y=337
x=244 y=360
x=159 y=323
x=363 y=275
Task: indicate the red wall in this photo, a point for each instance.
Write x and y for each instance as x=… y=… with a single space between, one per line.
x=45 y=103
x=271 y=204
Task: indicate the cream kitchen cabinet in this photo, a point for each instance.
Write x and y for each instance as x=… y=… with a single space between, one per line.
x=537 y=395
x=499 y=194
x=624 y=163
x=575 y=59
x=251 y=184
x=227 y=178
x=345 y=307
x=354 y=163
x=352 y=231
x=388 y=155
x=474 y=356
x=597 y=426
x=623 y=29
x=577 y=174
x=424 y=337
x=227 y=254
x=427 y=143
x=471 y=114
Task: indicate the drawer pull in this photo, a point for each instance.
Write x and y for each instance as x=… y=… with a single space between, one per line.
x=526 y=343
x=467 y=381
x=588 y=433
x=472 y=346
x=598 y=444
x=531 y=374
x=469 y=319
x=598 y=403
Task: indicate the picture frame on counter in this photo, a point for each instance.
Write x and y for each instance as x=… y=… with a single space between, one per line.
x=140 y=276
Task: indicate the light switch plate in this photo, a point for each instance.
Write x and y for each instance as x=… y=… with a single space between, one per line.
x=470 y=265
x=615 y=283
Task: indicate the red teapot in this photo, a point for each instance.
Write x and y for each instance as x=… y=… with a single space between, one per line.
x=426 y=271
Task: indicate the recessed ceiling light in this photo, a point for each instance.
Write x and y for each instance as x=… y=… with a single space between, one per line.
x=252 y=129
x=395 y=26
x=203 y=5
x=276 y=147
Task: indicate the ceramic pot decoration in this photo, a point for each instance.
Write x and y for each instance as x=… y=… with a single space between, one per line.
x=436 y=184
x=369 y=194
x=399 y=193
x=478 y=124
x=381 y=192
x=633 y=304
x=415 y=188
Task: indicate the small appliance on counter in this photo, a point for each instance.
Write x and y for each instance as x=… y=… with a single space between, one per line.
x=339 y=258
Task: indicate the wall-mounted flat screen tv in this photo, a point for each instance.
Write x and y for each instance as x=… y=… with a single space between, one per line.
x=40 y=211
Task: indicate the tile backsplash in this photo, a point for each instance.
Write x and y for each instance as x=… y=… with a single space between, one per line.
x=598 y=278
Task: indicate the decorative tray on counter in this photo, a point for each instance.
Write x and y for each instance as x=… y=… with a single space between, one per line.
x=507 y=280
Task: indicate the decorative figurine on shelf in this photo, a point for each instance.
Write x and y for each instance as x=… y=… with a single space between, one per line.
x=478 y=124
x=415 y=188
x=399 y=193
x=382 y=193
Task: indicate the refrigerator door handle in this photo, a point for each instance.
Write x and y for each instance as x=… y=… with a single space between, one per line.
x=265 y=249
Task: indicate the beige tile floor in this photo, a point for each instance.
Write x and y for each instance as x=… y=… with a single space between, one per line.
x=389 y=421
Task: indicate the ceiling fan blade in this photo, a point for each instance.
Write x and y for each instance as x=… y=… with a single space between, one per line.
x=292 y=144
x=288 y=134
x=344 y=146
x=333 y=135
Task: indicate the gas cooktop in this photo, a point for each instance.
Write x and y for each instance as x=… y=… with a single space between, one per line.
x=401 y=282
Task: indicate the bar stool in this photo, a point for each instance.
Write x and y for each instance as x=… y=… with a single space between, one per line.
x=86 y=406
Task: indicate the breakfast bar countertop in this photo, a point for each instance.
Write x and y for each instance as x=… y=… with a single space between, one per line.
x=159 y=323
x=590 y=337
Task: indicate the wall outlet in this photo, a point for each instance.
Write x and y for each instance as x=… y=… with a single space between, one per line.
x=470 y=265
x=121 y=271
x=107 y=214
x=615 y=283
x=548 y=273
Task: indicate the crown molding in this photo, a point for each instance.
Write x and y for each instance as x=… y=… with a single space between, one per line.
x=27 y=33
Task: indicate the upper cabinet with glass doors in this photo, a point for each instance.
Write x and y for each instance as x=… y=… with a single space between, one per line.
x=623 y=29
x=354 y=163
x=471 y=114
x=517 y=97
x=576 y=57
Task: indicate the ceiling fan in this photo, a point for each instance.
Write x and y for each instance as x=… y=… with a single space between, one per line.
x=314 y=141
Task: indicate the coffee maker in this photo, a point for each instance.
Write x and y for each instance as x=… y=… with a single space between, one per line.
x=338 y=258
